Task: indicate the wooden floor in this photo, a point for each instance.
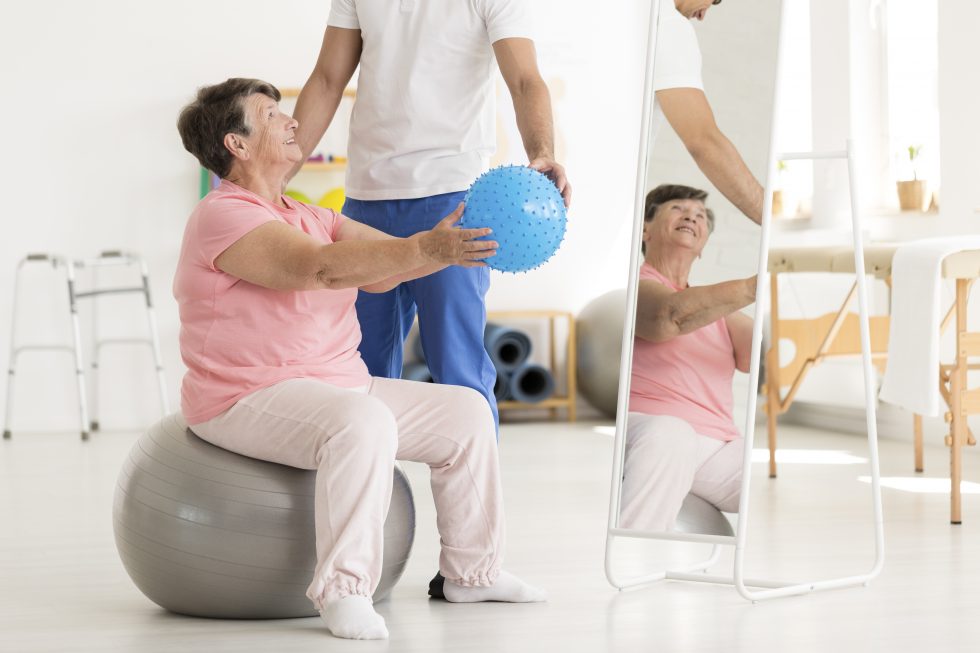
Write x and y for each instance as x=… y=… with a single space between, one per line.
x=62 y=587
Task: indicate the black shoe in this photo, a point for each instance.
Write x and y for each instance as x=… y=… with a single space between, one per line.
x=435 y=586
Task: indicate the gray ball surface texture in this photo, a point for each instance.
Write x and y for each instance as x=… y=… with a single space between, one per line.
x=599 y=328
x=699 y=516
x=206 y=532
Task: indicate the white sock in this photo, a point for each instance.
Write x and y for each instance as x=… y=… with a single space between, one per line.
x=507 y=588
x=353 y=617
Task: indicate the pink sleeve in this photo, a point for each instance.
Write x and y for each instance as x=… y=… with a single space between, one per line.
x=224 y=221
x=330 y=219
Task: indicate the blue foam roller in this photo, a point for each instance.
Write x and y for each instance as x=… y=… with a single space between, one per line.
x=417 y=349
x=531 y=383
x=525 y=211
x=508 y=348
x=417 y=372
x=501 y=387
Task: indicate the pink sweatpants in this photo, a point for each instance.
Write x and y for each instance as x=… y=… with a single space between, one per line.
x=666 y=459
x=352 y=438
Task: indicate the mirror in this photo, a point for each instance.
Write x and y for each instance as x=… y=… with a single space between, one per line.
x=680 y=452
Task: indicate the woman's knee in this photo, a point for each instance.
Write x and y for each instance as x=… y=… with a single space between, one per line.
x=661 y=433
x=470 y=412
x=368 y=423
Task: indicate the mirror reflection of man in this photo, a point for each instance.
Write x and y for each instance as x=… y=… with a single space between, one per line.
x=680 y=98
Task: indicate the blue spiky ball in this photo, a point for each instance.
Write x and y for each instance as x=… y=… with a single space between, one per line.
x=525 y=211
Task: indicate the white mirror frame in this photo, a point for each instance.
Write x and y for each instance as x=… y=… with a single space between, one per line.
x=696 y=572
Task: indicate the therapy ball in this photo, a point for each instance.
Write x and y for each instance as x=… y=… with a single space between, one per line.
x=525 y=211
x=298 y=196
x=333 y=199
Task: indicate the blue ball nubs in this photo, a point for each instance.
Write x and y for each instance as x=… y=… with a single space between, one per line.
x=525 y=211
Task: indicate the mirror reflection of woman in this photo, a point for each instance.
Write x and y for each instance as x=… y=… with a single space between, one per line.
x=681 y=435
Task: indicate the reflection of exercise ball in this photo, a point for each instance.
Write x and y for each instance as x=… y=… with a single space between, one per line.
x=599 y=328
x=209 y=533
x=298 y=196
x=699 y=516
x=525 y=211
x=333 y=199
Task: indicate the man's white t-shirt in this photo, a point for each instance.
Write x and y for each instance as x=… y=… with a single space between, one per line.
x=677 y=63
x=423 y=121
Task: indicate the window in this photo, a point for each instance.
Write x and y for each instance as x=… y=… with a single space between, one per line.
x=794 y=129
x=911 y=38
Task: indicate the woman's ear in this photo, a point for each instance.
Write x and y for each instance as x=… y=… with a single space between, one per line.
x=235 y=144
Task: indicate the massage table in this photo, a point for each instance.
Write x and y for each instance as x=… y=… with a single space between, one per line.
x=837 y=334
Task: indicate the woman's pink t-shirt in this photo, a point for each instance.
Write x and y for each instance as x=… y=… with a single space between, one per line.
x=237 y=337
x=688 y=376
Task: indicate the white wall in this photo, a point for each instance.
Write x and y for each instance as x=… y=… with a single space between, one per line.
x=959 y=99
x=93 y=161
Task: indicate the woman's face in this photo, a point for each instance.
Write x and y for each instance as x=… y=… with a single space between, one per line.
x=272 y=140
x=677 y=223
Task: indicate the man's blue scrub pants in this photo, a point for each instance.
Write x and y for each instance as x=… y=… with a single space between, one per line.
x=450 y=304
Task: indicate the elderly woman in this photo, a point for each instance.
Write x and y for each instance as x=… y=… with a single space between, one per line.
x=266 y=288
x=681 y=436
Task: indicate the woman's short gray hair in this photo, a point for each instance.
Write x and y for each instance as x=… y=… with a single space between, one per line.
x=218 y=110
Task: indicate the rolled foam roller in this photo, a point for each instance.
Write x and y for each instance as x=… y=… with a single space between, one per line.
x=531 y=383
x=501 y=387
x=417 y=349
x=417 y=372
x=508 y=348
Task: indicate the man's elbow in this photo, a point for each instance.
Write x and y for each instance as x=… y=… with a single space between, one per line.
x=699 y=146
x=526 y=86
x=703 y=143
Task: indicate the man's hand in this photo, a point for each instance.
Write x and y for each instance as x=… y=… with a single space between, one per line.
x=556 y=173
x=446 y=244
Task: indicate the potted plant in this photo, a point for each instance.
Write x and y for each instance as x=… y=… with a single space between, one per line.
x=912 y=195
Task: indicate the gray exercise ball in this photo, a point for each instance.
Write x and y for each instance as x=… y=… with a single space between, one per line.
x=699 y=516
x=206 y=532
x=599 y=333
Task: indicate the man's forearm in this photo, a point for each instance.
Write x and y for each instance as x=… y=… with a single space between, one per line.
x=315 y=109
x=532 y=108
x=724 y=167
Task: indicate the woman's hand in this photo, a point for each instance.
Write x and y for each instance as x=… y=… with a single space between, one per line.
x=446 y=244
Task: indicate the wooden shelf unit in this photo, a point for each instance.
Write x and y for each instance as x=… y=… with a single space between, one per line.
x=566 y=401
x=325 y=166
x=294 y=92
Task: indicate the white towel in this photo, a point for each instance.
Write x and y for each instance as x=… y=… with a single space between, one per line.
x=912 y=374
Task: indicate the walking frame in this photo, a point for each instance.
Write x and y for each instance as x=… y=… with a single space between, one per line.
x=105 y=259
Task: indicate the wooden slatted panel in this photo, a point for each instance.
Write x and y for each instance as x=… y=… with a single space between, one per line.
x=970 y=402
x=970 y=344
